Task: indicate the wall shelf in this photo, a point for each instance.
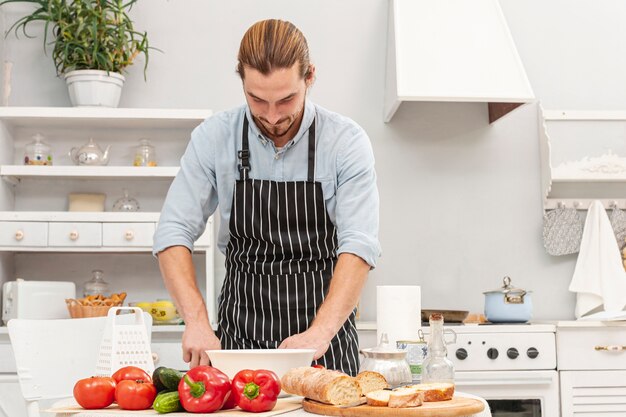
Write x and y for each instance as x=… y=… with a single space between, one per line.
x=583 y=158
x=15 y=173
x=86 y=117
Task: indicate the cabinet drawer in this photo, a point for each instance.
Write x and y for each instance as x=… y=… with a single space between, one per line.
x=127 y=234
x=23 y=234
x=75 y=234
x=576 y=348
x=593 y=393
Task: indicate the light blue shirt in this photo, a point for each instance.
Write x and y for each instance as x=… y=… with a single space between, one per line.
x=209 y=168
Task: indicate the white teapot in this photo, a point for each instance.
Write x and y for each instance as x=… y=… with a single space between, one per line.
x=90 y=154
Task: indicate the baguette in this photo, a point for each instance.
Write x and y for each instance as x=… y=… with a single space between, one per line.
x=403 y=397
x=371 y=381
x=323 y=385
x=435 y=391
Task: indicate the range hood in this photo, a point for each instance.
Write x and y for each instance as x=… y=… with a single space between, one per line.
x=453 y=50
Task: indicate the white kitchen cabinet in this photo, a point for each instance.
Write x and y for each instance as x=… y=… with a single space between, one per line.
x=41 y=240
x=592 y=365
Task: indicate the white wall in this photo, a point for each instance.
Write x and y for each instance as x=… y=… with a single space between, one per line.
x=460 y=199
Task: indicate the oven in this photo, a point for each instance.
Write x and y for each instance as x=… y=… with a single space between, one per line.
x=512 y=366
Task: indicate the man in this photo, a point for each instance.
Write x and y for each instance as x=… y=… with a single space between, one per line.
x=296 y=190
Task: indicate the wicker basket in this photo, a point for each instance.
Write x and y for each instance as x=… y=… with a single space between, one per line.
x=79 y=311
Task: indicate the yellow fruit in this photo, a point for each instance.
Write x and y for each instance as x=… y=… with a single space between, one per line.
x=163 y=311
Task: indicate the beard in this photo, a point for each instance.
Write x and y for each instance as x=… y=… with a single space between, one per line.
x=280 y=128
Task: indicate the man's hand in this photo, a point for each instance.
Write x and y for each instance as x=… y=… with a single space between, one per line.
x=309 y=339
x=197 y=339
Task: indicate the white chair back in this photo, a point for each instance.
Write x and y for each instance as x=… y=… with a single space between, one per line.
x=51 y=355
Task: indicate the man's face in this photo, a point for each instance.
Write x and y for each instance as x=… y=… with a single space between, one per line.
x=276 y=101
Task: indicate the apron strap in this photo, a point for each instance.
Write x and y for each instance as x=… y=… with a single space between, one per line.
x=244 y=153
x=311 y=176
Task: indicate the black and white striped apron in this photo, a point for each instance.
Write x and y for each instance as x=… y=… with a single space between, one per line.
x=279 y=262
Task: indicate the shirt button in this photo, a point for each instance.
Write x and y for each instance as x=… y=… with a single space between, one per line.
x=276 y=156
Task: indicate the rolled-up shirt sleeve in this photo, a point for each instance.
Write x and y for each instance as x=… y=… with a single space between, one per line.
x=192 y=197
x=357 y=204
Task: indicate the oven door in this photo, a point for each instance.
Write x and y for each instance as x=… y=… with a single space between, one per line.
x=514 y=393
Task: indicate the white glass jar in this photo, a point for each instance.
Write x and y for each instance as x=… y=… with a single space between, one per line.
x=37 y=152
x=145 y=155
x=96 y=285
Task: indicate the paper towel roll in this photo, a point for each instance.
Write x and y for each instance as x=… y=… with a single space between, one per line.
x=398 y=312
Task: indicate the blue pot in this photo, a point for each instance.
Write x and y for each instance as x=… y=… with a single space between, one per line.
x=508 y=304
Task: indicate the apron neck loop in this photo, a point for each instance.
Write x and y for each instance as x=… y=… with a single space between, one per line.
x=244 y=153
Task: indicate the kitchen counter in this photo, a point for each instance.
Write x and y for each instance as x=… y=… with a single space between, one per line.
x=295 y=413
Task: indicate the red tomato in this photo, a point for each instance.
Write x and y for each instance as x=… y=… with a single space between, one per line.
x=135 y=395
x=318 y=366
x=95 y=392
x=131 y=373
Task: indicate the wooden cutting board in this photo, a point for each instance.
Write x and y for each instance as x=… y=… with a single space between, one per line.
x=283 y=405
x=456 y=407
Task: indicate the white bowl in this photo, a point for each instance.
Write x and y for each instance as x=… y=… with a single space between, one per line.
x=278 y=360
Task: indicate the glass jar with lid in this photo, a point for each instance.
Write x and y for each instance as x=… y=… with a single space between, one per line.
x=145 y=155
x=37 y=152
x=96 y=285
x=126 y=203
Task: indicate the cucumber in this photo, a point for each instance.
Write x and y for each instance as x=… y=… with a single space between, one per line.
x=166 y=379
x=167 y=402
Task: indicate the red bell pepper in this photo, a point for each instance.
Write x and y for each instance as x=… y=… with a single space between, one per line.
x=256 y=391
x=203 y=389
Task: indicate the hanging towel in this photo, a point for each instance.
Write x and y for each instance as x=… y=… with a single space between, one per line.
x=599 y=277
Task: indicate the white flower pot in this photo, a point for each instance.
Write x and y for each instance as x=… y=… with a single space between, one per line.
x=94 y=88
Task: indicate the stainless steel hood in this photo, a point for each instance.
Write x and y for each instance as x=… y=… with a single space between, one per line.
x=453 y=50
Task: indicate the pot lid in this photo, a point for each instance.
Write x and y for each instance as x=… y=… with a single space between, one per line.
x=507 y=288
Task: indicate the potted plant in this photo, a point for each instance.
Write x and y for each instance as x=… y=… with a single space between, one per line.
x=94 y=41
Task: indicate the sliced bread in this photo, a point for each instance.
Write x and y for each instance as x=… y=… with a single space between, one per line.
x=398 y=398
x=405 y=397
x=378 y=398
x=371 y=381
x=435 y=391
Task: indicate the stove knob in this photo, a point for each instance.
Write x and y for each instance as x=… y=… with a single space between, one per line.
x=512 y=353
x=492 y=353
x=532 y=353
x=461 y=353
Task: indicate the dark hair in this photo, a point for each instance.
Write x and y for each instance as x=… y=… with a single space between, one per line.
x=271 y=44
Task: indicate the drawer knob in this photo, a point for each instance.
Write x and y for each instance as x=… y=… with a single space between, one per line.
x=73 y=235
x=19 y=235
x=611 y=348
x=129 y=235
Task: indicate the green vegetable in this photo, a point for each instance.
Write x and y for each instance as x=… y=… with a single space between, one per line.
x=166 y=379
x=167 y=402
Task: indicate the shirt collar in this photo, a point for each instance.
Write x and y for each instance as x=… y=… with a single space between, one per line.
x=307 y=120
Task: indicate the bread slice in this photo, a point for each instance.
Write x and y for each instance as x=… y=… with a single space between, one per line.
x=323 y=385
x=378 y=398
x=403 y=397
x=435 y=391
x=371 y=381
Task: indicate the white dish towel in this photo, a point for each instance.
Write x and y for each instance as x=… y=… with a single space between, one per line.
x=599 y=277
